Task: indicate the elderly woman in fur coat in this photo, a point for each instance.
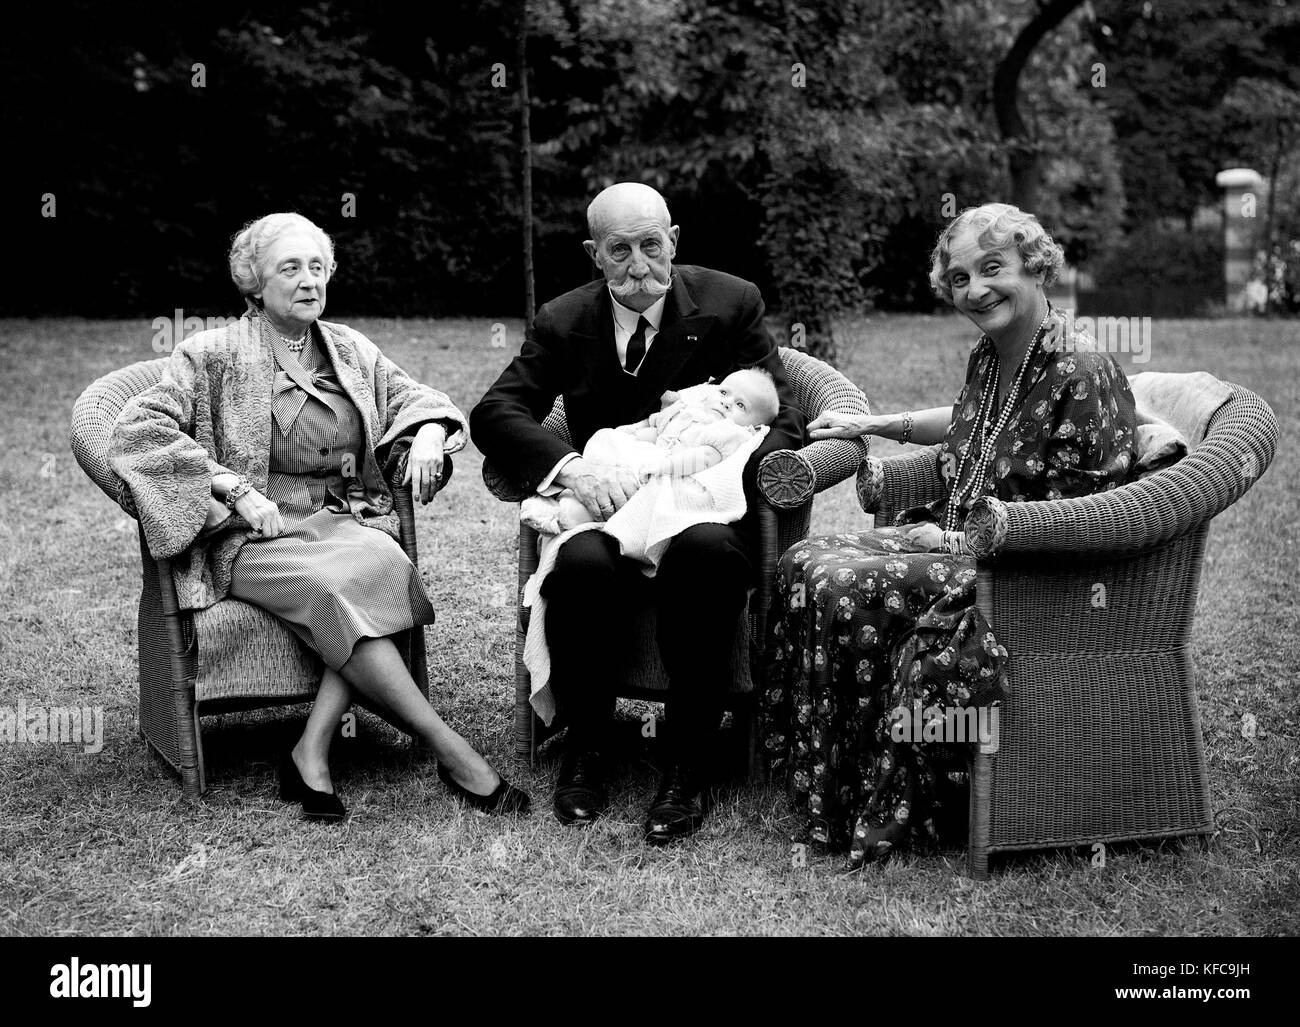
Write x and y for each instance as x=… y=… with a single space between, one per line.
x=255 y=464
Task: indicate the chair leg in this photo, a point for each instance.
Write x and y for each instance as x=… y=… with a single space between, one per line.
x=756 y=768
x=977 y=858
x=195 y=778
x=525 y=721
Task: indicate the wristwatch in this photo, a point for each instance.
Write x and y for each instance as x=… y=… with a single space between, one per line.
x=238 y=491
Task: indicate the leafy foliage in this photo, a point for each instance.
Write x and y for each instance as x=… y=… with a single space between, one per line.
x=1170 y=67
x=815 y=148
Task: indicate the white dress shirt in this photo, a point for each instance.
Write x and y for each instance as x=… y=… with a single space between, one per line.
x=625 y=321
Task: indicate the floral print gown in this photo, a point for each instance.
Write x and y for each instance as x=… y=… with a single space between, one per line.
x=863 y=624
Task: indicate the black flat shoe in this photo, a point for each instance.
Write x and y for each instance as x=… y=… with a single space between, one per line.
x=678 y=808
x=505 y=799
x=322 y=806
x=580 y=789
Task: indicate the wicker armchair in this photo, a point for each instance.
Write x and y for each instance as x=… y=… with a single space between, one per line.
x=794 y=478
x=1099 y=738
x=247 y=658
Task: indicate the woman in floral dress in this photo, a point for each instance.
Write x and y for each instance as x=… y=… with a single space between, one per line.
x=865 y=625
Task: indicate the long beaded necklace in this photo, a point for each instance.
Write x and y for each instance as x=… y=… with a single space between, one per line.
x=988 y=432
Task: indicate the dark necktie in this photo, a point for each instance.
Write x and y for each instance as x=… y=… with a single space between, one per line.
x=636 y=346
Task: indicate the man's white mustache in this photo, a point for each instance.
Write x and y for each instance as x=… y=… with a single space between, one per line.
x=650 y=286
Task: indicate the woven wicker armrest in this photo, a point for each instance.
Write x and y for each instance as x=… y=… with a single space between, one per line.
x=504 y=488
x=789 y=478
x=93 y=416
x=901 y=482
x=1237 y=449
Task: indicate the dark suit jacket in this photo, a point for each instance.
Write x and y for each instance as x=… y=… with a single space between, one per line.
x=712 y=325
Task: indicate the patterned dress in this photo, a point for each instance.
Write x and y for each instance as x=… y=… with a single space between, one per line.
x=331 y=579
x=866 y=626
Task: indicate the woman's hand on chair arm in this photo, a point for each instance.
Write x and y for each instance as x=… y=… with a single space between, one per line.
x=840 y=424
x=928 y=426
x=424 y=461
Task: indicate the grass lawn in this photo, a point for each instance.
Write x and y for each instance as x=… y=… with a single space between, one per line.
x=105 y=844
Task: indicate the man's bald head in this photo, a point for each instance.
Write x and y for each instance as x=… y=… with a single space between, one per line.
x=633 y=242
x=626 y=202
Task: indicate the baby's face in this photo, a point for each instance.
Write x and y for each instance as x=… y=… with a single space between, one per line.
x=745 y=399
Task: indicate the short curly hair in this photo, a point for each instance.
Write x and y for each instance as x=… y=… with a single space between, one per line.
x=248 y=248
x=1002 y=226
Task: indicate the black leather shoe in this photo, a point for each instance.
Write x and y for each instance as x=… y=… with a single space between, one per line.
x=506 y=798
x=678 y=808
x=580 y=790
x=323 y=806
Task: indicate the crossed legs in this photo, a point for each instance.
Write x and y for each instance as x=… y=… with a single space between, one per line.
x=376 y=672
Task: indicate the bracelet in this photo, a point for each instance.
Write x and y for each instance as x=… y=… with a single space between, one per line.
x=955 y=544
x=238 y=491
x=908 y=421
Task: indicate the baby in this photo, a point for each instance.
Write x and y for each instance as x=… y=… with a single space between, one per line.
x=697 y=428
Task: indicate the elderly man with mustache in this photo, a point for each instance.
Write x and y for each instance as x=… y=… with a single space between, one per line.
x=612 y=348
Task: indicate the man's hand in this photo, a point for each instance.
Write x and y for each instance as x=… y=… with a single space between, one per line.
x=601 y=488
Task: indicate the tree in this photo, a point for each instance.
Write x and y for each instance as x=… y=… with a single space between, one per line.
x=1169 y=67
x=773 y=123
x=526 y=164
x=1024 y=161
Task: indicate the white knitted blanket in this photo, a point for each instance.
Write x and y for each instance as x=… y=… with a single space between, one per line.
x=660 y=510
x=664 y=507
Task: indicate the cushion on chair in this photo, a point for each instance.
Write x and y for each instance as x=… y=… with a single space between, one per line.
x=1159 y=444
x=245 y=652
x=1186 y=402
x=1173 y=414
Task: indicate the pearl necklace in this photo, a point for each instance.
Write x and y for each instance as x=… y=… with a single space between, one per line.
x=292 y=345
x=988 y=432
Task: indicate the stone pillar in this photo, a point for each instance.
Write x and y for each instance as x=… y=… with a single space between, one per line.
x=1243 y=205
